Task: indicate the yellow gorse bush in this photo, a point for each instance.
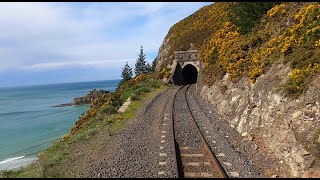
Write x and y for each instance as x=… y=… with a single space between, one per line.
x=275 y=10
x=282 y=31
x=317 y=43
x=226 y=45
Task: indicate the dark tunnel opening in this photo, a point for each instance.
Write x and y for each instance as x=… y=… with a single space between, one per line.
x=177 y=77
x=189 y=74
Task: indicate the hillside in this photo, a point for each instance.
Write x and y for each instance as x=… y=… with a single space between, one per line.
x=280 y=36
x=261 y=70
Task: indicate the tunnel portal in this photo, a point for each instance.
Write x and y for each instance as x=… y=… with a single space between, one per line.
x=186 y=75
x=189 y=74
x=185 y=67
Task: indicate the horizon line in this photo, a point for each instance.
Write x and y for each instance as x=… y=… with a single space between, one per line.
x=30 y=85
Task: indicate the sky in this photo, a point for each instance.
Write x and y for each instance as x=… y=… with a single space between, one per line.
x=58 y=42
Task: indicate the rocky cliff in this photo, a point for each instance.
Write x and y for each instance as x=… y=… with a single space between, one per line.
x=264 y=83
x=284 y=126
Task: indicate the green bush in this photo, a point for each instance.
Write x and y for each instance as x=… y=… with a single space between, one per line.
x=135 y=97
x=246 y=15
x=145 y=89
x=155 y=84
x=302 y=56
x=294 y=87
x=125 y=95
x=112 y=109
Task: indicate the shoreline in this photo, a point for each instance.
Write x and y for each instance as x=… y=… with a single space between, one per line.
x=17 y=163
x=22 y=160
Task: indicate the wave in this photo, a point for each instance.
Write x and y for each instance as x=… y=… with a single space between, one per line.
x=16 y=162
x=11 y=159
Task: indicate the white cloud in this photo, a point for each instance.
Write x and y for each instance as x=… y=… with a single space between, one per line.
x=94 y=64
x=41 y=36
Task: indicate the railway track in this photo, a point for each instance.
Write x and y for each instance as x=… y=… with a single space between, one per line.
x=194 y=158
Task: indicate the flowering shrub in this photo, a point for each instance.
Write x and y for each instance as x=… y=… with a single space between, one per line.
x=195 y=29
x=276 y=36
x=141 y=77
x=298 y=79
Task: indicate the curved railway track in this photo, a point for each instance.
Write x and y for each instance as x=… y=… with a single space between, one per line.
x=194 y=158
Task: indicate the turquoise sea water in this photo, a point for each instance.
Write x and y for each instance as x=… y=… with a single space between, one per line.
x=29 y=123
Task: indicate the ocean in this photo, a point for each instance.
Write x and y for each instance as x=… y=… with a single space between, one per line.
x=29 y=123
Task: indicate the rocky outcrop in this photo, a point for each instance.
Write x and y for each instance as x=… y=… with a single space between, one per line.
x=125 y=105
x=163 y=54
x=289 y=128
x=87 y=99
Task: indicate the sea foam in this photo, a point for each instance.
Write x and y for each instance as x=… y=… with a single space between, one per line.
x=16 y=162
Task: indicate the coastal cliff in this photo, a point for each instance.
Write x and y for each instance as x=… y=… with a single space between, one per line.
x=263 y=80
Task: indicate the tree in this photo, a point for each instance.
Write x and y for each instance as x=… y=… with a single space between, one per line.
x=126 y=73
x=154 y=63
x=148 y=68
x=140 y=66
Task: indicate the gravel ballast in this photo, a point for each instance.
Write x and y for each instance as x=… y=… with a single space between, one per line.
x=145 y=148
x=134 y=152
x=234 y=163
x=249 y=155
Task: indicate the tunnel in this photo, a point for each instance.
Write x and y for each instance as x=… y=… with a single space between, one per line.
x=189 y=74
x=186 y=75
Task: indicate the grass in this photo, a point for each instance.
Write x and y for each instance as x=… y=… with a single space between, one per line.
x=59 y=159
x=121 y=119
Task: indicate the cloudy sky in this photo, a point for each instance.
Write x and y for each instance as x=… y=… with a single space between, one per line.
x=44 y=43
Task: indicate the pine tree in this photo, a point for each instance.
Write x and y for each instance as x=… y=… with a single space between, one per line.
x=126 y=73
x=148 y=68
x=140 y=66
x=154 y=63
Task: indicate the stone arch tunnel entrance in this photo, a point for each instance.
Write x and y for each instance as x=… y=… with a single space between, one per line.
x=186 y=75
x=185 y=67
x=189 y=74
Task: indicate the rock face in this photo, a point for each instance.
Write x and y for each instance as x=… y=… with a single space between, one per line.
x=163 y=54
x=89 y=97
x=125 y=105
x=287 y=126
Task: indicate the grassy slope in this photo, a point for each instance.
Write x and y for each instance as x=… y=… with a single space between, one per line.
x=67 y=157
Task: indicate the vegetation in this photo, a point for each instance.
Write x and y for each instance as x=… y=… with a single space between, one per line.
x=100 y=121
x=34 y=170
x=154 y=64
x=110 y=103
x=164 y=73
x=246 y=15
x=195 y=29
x=126 y=73
x=141 y=65
x=246 y=39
